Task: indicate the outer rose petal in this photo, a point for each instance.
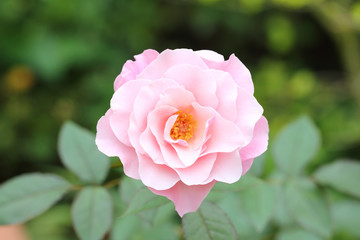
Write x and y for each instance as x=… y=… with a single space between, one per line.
x=122 y=104
x=199 y=172
x=239 y=72
x=236 y=69
x=258 y=143
x=227 y=168
x=156 y=176
x=257 y=146
x=186 y=198
x=249 y=111
x=208 y=55
x=111 y=146
x=226 y=93
x=168 y=59
x=132 y=68
x=246 y=165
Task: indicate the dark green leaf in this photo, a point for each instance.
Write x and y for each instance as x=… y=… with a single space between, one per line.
x=343 y=175
x=308 y=207
x=27 y=196
x=79 y=153
x=296 y=145
x=208 y=223
x=92 y=213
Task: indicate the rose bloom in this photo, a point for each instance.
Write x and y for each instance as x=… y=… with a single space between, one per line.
x=182 y=120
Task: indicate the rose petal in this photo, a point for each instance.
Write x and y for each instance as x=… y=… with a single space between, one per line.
x=208 y=55
x=246 y=165
x=148 y=142
x=107 y=143
x=132 y=68
x=169 y=58
x=119 y=122
x=200 y=82
x=147 y=98
x=156 y=123
x=159 y=177
x=226 y=92
x=259 y=142
x=186 y=198
x=123 y=99
x=249 y=112
x=237 y=70
x=198 y=172
x=177 y=97
x=224 y=136
x=188 y=153
x=122 y=104
x=105 y=138
x=227 y=167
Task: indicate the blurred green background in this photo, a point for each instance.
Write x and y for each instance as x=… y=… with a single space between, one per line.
x=59 y=58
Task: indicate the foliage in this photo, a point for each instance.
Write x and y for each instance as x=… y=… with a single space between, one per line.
x=59 y=59
x=281 y=201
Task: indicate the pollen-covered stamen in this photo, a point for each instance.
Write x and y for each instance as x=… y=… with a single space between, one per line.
x=184 y=127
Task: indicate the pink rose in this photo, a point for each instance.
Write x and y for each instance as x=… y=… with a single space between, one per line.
x=182 y=120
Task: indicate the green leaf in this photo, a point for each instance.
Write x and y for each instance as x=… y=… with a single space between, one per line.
x=126 y=228
x=281 y=214
x=57 y=221
x=345 y=215
x=308 y=207
x=259 y=203
x=128 y=187
x=296 y=145
x=257 y=168
x=92 y=213
x=166 y=231
x=79 y=153
x=138 y=197
x=231 y=205
x=343 y=175
x=29 y=195
x=144 y=200
x=132 y=227
x=246 y=182
x=208 y=223
x=296 y=234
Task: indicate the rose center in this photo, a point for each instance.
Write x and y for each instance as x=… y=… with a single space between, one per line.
x=184 y=127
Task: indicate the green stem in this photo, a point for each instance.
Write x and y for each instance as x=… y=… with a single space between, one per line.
x=112 y=183
x=76 y=187
x=116 y=164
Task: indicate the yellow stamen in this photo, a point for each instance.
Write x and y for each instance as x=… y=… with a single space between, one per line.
x=184 y=126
